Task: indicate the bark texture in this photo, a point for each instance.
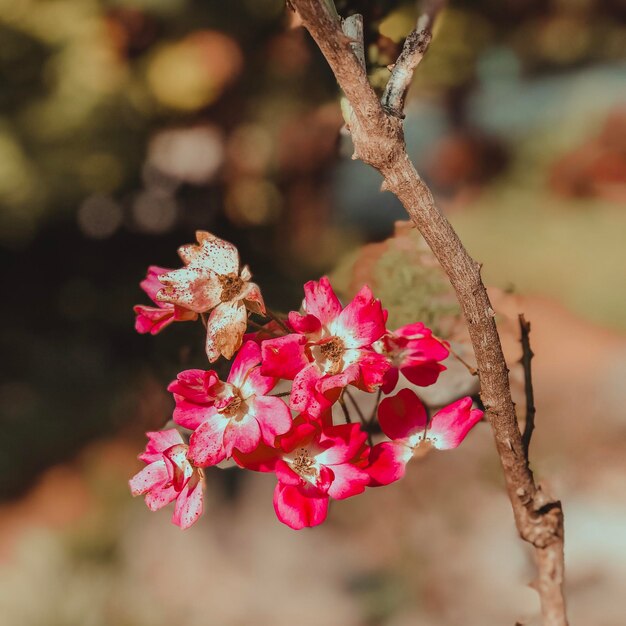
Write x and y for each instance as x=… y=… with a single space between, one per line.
x=378 y=138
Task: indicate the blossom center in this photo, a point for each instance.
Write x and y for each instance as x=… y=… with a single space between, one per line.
x=303 y=464
x=231 y=285
x=330 y=355
x=232 y=407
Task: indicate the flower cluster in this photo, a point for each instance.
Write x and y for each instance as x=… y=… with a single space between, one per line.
x=323 y=351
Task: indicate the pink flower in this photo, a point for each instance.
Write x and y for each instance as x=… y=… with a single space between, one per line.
x=169 y=476
x=330 y=349
x=236 y=414
x=413 y=351
x=404 y=420
x=313 y=463
x=152 y=319
x=211 y=281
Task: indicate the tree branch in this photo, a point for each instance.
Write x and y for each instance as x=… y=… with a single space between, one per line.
x=378 y=140
x=413 y=51
x=527 y=355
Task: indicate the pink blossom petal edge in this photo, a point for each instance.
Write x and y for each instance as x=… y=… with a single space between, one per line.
x=451 y=424
x=284 y=357
x=300 y=506
x=320 y=300
x=189 y=505
x=206 y=442
x=388 y=462
x=158 y=442
x=362 y=322
x=402 y=415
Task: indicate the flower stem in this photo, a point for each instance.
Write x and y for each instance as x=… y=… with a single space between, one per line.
x=280 y=395
x=278 y=320
x=344 y=408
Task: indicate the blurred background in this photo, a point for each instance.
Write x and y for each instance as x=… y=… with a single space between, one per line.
x=125 y=125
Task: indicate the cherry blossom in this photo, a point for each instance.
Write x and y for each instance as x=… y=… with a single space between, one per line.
x=313 y=463
x=236 y=414
x=212 y=281
x=413 y=351
x=330 y=348
x=153 y=319
x=404 y=420
x=169 y=476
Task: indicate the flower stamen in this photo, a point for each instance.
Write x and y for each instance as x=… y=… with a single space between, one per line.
x=303 y=464
x=231 y=285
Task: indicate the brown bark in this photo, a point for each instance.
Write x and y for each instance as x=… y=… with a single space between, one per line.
x=378 y=138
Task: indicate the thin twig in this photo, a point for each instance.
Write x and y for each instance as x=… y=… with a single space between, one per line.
x=278 y=320
x=472 y=370
x=378 y=139
x=413 y=51
x=344 y=408
x=280 y=395
x=527 y=355
x=356 y=406
x=364 y=421
x=379 y=394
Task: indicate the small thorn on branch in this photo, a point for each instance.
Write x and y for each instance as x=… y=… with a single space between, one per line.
x=527 y=355
x=413 y=51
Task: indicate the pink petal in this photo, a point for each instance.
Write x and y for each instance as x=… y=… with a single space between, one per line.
x=362 y=322
x=304 y=324
x=263 y=459
x=429 y=348
x=302 y=433
x=195 y=385
x=299 y=507
x=305 y=397
x=251 y=295
x=285 y=474
x=149 y=477
x=188 y=505
x=153 y=320
x=158 y=441
x=373 y=367
x=341 y=444
x=192 y=288
x=402 y=415
x=327 y=384
x=324 y=479
x=151 y=283
x=413 y=331
x=225 y=330
x=257 y=384
x=320 y=300
x=424 y=374
x=273 y=416
x=390 y=380
x=178 y=466
x=248 y=357
x=349 y=480
x=241 y=433
x=190 y=415
x=206 y=442
x=388 y=462
x=284 y=357
x=160 y=496
x=451 y=424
